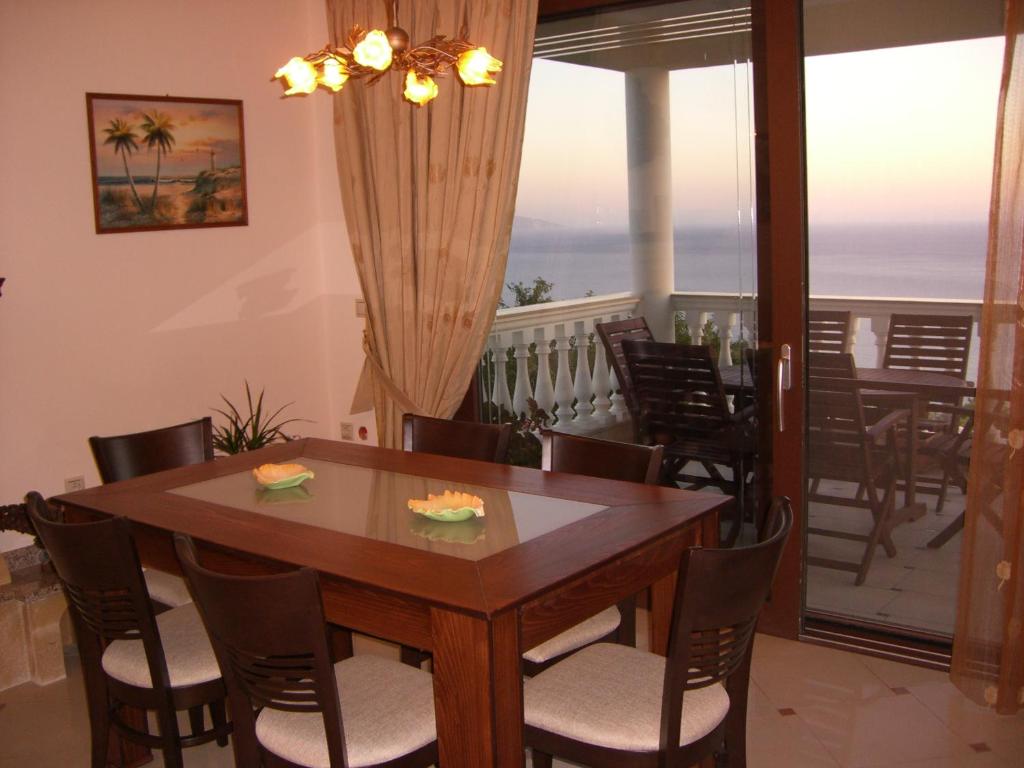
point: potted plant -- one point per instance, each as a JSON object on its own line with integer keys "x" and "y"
{"x": 250, "y": 431}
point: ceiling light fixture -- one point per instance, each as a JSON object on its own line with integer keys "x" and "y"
{"x": 373, "y": 53}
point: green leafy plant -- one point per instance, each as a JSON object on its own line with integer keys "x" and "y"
{"x": 252, "y": 431}
{"x": 524, "y": 448}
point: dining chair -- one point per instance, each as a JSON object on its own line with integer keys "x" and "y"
{"x": 611, "y": 706}
{"x": 681, "y": 405}
{"x": 122, "y": 457}
{"x": 577, "y": 455}
{"x": 828, "y": 331}
{"x": 460, "y": 439}
{"x": 612, "y": 334}
{"x": 292, "y": 706}
{"x": 844, "y": 452}
{"x": 130, "y": 657}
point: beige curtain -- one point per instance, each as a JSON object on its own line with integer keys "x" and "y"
{"x": 429, "y": 194}
{"x": 988, "y": 648}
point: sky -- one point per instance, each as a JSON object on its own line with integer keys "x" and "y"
{"x": 894, "y": 135}
{"x": 197, "y": 128}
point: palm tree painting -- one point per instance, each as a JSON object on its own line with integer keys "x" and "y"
{"x": 158, "y": 129}
{"x": 174, "y": 183}
{"x": 122, "y": 136}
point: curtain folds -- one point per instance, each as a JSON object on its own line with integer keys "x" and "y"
{"x": 429, "y": 194}
{"x": 988, "y": 647}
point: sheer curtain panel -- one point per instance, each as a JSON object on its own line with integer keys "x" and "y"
{"x": 429, "y": 194}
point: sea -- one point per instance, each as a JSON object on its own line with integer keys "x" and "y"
{"x": 935, "y": 261}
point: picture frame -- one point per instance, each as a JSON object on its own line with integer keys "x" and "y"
{"x": 166, "y": 162}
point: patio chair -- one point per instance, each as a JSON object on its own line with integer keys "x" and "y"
{"x": 828, "y": 331}
{"x": 122, "y": 457}
{"x": 291, "y": 705}
{"x": 841, "y": 448}
{"x": 612, "y": 334}
{"x": 682, "y": 406}
{"x": 130, "y": 657}
{"x": 609, "y": 705}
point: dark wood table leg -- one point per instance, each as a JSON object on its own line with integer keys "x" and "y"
{"x": 478, "y": 690}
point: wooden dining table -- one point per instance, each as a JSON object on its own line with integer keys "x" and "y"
{"x": 551, "y": 550}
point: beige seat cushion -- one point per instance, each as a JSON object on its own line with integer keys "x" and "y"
{"x": 190, "y": 658}
{"x": 387, "y": 710}
{"x": 610, "y": 695}
{"x": 166, "y": 588}
{"x": 575, "y": 637}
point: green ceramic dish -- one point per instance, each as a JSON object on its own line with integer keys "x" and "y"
{"x": 449, "y": 515}
{"x": 289, "y": 482}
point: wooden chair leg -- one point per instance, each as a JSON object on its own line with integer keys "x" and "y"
{"x": 196, "y": 720}
{"x": 626, "y": 634}
{"x": 412, "y": 656}
{"x": 170, "y": 736}
{"x": 879, "y": 533}
{"x": 218, "y": 716}
{"x": 541, "y": 759}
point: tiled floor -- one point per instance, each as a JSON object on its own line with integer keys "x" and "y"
{"x": 915, "y": 589}
{"x": 810, "y": 707}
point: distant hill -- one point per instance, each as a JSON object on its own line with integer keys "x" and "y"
{"x": 526, "y": 224}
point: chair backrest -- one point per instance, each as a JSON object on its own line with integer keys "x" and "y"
{"x": 837, "y": 443}
{"x": 678, "y": 390}
{"x": 121, "y": 457}
{"x": 600, "y": 458}
{"x": 99, "y": 568}
{"x": 939, "y": 343}
{"x": 612, "y": 334}
{"x": 719, "y": 596}
{"x": 270, "y": 639}
{"x": 461, "y": 439}
{"x": 828, "y": 331}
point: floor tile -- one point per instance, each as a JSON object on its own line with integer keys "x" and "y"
{"x": 881, "y": 732}
{"x": 895, "y": 674}
{"x": 794, "y": 674}
{"x": 973, "y": 723}
{"x": 776, "y": 742}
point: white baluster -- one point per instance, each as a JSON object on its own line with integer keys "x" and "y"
{"x": 584, "y": 384}
{"x": 851, "y": 339}
{"x": 545, "y": 392}
{"x": 563, "y": 378}
{"x": 880, "y": 327}
{"x": 725, "y": 334}
{"x": 523, "y": 390}
{"x": 499, "y": 393}
{"x": 602, "y": 384}
{"x": 703, "y": 321}
{"x": 618, "y": 409}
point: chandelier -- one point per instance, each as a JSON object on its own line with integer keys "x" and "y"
{"x": 371, "y": 54}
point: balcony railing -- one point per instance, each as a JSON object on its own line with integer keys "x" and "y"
{"x": 540, "y": 348}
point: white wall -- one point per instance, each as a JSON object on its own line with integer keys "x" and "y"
{"x": 102, "y": 334}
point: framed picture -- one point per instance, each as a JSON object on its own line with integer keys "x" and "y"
{"x": 163, "y": 162}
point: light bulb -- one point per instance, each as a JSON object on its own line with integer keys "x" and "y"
{"x": 373, "y": 51}
{"x": 419, "y": 90}
{"x": 299, "y": 74}
{"x": 476, "y": 65}
{"x": 335, "y": 74}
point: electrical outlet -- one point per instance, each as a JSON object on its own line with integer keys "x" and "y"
{"x": 72, "y": 484}
{"x": 347, "y": 431}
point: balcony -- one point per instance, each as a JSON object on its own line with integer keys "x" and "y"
{"x": 580, "y": 391}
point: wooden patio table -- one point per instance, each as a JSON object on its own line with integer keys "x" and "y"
{"x": 551, "y": 550}
{"x": 902, "y": 389}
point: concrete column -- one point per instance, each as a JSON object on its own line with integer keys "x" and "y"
{"x": 649, "y": 161}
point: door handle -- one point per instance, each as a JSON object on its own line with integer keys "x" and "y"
{"x": 783, "y": 381}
